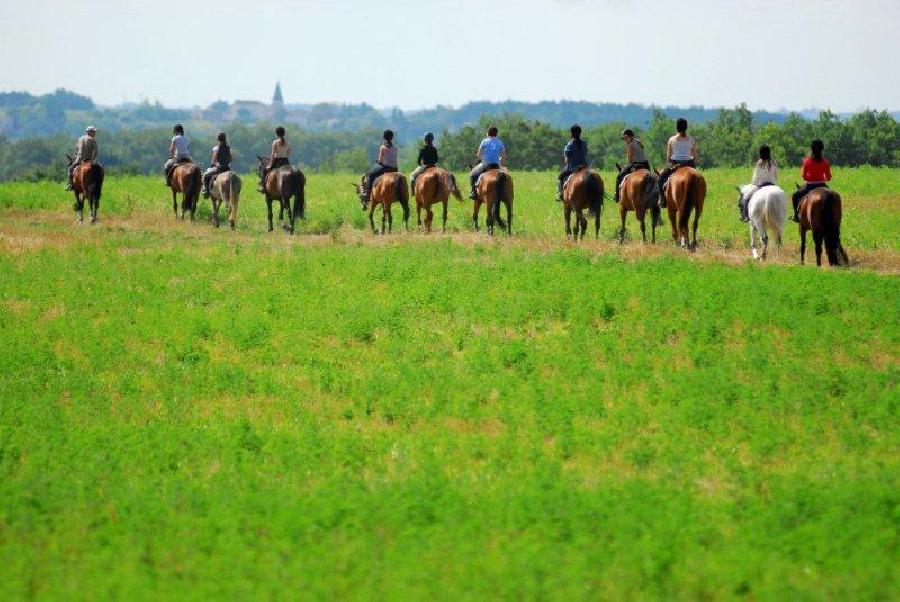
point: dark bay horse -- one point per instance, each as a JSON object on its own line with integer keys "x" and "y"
{"x": 186, "y": 179}
{"x": 495, "y": 186}
{"x": 820, "y": 211}
{"x": 685, "y": 193}
{"x": 283, "y": 184}
{"x": 433, "y": 186}
{"x": 639, "y": 194}
{"x": 226, "y": 188}
{"x": 582, "y": 190}
{"x": 87, "y": 183}
{"x": 386, "y": 189}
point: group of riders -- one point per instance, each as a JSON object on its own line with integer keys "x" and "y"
{"x": 681, "y": 150}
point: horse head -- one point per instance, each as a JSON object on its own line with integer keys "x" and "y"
{"x": 618, "y": 167}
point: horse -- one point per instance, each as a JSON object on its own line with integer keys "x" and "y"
{"x": 495, "y": 186}
{"x": 387, "y": 188}
{"x": 282, "y": 184}
{"x": 685, "y": 193}
{"x": 187, "y": 180}
{"x": 433, "y": 186}
{"x": 820, "y": 211}
{"x": 767, "y": 208}
{"x": 582, "y": 190}
{"x": 87, "y": 183}
{"x": 638, "y": 194}
{"x": 226, "y": 187}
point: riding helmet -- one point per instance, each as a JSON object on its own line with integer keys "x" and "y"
{"x": 429, "y": 137}
{"x": 628, "y": 132}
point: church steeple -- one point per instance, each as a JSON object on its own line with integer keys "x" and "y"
{"x": 277, "y": 98}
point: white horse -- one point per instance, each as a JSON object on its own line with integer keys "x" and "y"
{"x": 767, "y": 208}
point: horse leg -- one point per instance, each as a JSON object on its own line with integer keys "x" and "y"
{"x": 174, "y": 203}
{"x": 444, "y": 226}
{"x": 475, "y": 207}
{"x": 429, "y": 217}
{"x": 694, "y": 228}
{"x": 802, "y": 245}
{"x": 269, "y": 212}
{"x": 385, "y": 207}
{"x": 817, "y": 240}
{"x": 79, "y": 208}
{"x": 765, "y": 244}
{"x": 372, "y": 217}
{"x": 753, "y": 251}
{"x": 580, "y": 224}
{"x": 216, "y": 204}
{"x": 622, "y": 215}
{"x": 567, "y": 212}
{"x": 597, "y": 226}
{"x": 290, "y": 212}
{"x": 419, "y": 214}
{"x": 509, "y": 218}
{"x": 489, "y": 218}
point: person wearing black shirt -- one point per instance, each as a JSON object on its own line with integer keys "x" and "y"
{"x": 428, "y": 157}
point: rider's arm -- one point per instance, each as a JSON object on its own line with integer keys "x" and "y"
{"x": 172, "y": 148}
{"x": 272, "y": 155}
{"x": 214, "y": 159}
{"x": 629, "y": 154}
{"x": 504, "y": 157}
{"x": 827, "y": 170}
{"x": 669, "y": 151}
{"x": 695, "y": 155}
{"x": 382, "y": 149}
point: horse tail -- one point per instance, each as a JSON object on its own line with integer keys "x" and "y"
{"x": 403, "y": 196}
{"x": 234, "y": 188}
{"x": 594, "y": 192}
{"x": 688, "y": 201}
{"x": 298, "y": 179}
{"x": 831, "y": 224}
{"x": 499, "y": 197}
{"x": 192, "y": 189}
{"x": 454, "y": 189}
{"x": 97, "y": 174}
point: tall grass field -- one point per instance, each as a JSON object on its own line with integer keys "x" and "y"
{"x": 193, "y": 413}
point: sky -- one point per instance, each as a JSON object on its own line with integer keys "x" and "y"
{"x": 770, "y": 54}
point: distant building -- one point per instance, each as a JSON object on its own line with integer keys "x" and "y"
{"x": 277, "y": 98}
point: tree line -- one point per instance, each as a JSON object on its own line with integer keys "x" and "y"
{"x": 730, "y": 139}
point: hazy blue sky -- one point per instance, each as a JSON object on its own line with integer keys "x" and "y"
{"x": 415, "y": 53}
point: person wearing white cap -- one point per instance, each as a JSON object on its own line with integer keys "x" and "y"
{"x": 86, "y": 149}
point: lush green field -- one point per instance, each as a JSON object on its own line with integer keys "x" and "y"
{"x": 195, "y": 413}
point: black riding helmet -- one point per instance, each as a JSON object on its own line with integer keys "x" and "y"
{"x": 628, "y": 132}
{"x": 178, "y": 129}
{"x": 429, "y": 137}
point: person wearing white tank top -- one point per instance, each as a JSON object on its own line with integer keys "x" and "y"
{"x": 681, "y": 151}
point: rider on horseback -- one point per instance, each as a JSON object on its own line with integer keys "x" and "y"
{"x": 428, "y": 157}
{"x": 219, "y": 163}
{"x": 816, "y": 172}
{"x": 86, "y": 149}
{"x": 279, "y": 157}
{"x": 681, "y": 151}
{"x": 635, "y": 158}
{"x": 179, "y": 151}
{"x": 490, "y": 153}
{"x": 765, "y": 173}
{"x": 575, "y": 156}
{"x": 387, "y": 162}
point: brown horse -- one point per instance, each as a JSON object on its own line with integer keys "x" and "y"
{"x": 87, "y": 183}
{"x": 685, "y": 193}
{"x": 820, "y": 211}
{"x": 186, "y": 179}
{"x": 582, "y": 190}
{"x": 386, "y": 189}
{"x": 638, "y": 194}
{"x": 433, "y": 186}
{"x": 283, "y": 184}
{"x": 226, "y": 188}
{"x": 495, "y": 186}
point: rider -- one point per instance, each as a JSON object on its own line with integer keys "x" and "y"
{"x": 765, "y": 173}
{"x": 428, "y": 157}
{"x": 490, "y": 153}
{"x": 387, "y": 162}
{"x": 816, "y": 172}
{"x": 279, "y": 157}
{"x": 86, "y": 149}
{"x": 635, "y": 158}
{"x": 219, "y": 163}
{"x": 681, "y": 150}
{"x": 575, "y": 155}
{"x": 179, "y": 151}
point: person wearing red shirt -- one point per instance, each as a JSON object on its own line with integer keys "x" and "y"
{"x": 816, "y": 172}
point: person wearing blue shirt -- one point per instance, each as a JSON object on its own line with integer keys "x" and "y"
{"x": 490, "y": 153}
{"x": 575, "y": 155}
